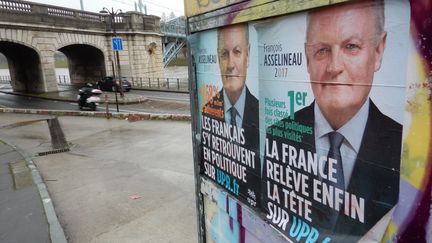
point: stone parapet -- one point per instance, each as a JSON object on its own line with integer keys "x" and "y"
{"x": 54, "y": 16}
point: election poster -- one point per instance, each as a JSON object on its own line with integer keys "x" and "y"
{"x": 332, "y": 92}
{"x": 313, "y": 120}
{"x": 226, "y": 72}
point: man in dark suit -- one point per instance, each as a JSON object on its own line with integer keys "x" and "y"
{"x": 234, "y": 104}
{"x": 360, "y": 146}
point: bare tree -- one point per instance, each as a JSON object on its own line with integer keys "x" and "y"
{"x": 172, "y": 15}
{"x": 163, "y": 17}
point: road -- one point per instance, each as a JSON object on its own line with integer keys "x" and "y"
{"x": 15, "y": 101}
{"x": 159, "y": 95}
{"x": 177, "y": 103}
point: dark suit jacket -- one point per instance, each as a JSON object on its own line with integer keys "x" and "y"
{"x": 375, "y": 174}
{"x": 251, "y": 133}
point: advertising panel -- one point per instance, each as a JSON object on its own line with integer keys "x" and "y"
{"x": 313, "y": 121}
{"x": 333, "y": 85}
{"x": 229, "y": 111}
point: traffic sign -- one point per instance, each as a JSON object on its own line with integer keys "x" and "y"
{"x": 117, "y": 44}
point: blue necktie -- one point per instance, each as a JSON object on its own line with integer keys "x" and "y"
{"x": 336, "y": 140}
{"x": 331, "y": 215}
{"x": 233, "y": 115}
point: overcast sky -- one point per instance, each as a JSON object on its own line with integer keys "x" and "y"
{"x": 154, "y": 7}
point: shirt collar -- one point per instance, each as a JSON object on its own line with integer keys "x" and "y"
{"x": 352, "y": 131}
{"x": 239, "y": 105}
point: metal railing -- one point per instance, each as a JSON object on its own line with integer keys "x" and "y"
{"x": 5, "y": 79}
{"x": 172, "y": 50}
{"x": 163, "y": 84}
{"x": 174, "y": 28}
{"x": 63, "y": 79}
{"x": 168, "y": 84}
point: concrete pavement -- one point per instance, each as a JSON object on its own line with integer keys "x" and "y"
{"x": 114, "y": 185}
{"x": 121, "y": 181}
{"x": 21, "y": 208}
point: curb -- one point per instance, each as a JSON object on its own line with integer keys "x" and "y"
{"x": 56, "y": 231}
{"x": 115, "y": 115}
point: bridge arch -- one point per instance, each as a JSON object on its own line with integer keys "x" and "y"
{"x": 86, "y": 62}
{"x": 24, "y": 66}
{"x": 46, "y": 29}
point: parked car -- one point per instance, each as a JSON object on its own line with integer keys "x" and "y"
{"x": 108, "y": 84}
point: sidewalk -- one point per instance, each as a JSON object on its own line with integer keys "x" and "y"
{"x": 25, "y": 217}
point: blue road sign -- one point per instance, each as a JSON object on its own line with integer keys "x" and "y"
{"x": 117, "y": 44}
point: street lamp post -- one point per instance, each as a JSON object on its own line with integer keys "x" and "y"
{"x": 118, "y": 77}
{"x": 115, "y": 91}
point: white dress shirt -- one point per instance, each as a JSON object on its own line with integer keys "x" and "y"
{"x": 239, "y": 106}
{"x": 352, "y": 131}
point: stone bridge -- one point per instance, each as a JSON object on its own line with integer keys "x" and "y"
{"x": 31, "y": 33}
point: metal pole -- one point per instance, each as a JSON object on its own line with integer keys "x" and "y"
{"x": 106, "y": 106}
{"x": 82, "y": 5}
{"x": 112, "y": 14}
{"x": 116, "y": 99}
{"x": 115, "y": 90}
{"x": 119, "y": 74}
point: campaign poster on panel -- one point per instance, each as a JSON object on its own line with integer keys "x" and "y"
{"x": 332, "y": 94}
{"x": 227, "y": 80}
